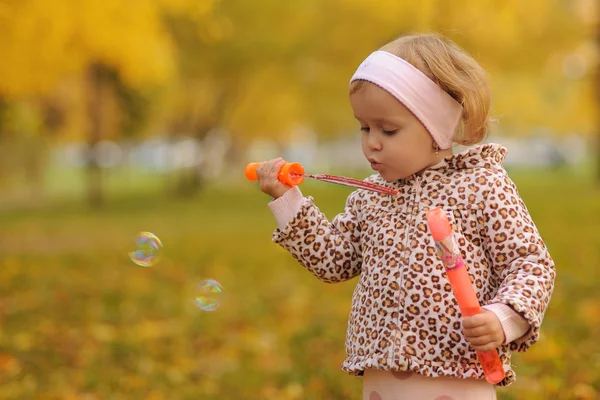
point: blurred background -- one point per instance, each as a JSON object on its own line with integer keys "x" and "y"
{"x": 124, "y": 116}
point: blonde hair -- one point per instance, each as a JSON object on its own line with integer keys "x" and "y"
{"x": 455, "y": 72}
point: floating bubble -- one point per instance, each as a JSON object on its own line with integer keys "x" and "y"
{"x": 208, "y": 295}
{"x": 148, "y": 248}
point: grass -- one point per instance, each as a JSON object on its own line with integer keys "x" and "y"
{"x": 79, "y": 320}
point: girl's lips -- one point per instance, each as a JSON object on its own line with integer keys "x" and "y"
{"x": 376, "y": 166}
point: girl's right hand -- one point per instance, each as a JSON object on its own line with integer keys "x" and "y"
{"x": 268, "y": 180}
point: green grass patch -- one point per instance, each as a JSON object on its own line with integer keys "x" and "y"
{"x": 78, "y": 317}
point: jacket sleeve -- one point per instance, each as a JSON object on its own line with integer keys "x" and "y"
{"x": 518, "y": 255}
{"x": 513, "y": 324}
{"x": 329, "y": 250}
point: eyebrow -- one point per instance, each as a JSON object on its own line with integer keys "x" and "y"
{"x": 378, "y": 120}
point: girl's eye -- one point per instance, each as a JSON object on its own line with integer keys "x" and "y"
{"x": 388, "y": 133}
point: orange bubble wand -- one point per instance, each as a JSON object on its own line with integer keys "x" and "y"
{"x": 292, "y": 173}
{"x": 461, "y": 285}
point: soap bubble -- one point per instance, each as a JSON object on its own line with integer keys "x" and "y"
{"x": 148, "y": 248}
{"x": 208, "y": 295}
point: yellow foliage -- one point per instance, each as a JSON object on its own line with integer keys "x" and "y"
{"x": 43, "y": 42}
{"x": 262, "y": 69}
{"x": 128, "y": 36}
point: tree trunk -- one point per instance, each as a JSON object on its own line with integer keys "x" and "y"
{"x": 188, "y": 183}
{"x": 598, "y": 107}
{"x": 35, "y": 161}
{"x": 95, "y": 104}
{"x": 189, "y": 180}
{"x": 4, "y": 166}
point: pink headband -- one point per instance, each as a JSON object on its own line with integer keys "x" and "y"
{"x": 436, "y": 109}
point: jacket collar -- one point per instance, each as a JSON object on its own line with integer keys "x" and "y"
{"x": 487, "y": 156}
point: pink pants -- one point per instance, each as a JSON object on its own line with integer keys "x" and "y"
{"x": 384, "y": 385}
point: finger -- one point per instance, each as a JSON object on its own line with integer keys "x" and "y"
{"x": 480, "y": 341}
{"x": 265, "y": 168}
{"x": 474, "y": 321}
{"x": 262, "y": 167}
{"x": 476, "y": 332}
{"x": 276, "y": 167}
{"x": 278, "y": 163}
{"x": 484, "y": 348}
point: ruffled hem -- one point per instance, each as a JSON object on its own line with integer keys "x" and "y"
{"x": 355, "y": 365}
{"x": 529, "y": 339}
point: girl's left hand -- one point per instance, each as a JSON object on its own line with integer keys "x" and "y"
{"x": 483, "y": 331}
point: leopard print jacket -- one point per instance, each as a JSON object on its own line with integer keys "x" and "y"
{"x": 404, "y": 316}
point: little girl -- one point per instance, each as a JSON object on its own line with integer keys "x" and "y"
{"x": 414, "y": 98}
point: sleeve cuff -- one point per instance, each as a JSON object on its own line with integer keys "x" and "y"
{"x": 513, "y": 325}
{"x": 286, "y": 207}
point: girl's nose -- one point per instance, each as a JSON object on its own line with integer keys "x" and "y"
{"x": 374, "y": 142}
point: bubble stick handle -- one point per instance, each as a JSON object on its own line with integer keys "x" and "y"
{"x": 461, "y": 284}
{"x": 291, "y": 173}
